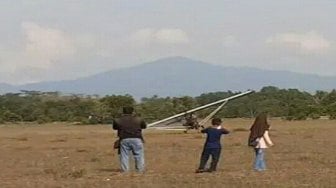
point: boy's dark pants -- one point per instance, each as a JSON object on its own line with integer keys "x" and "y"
{"x": 215, "y": 153}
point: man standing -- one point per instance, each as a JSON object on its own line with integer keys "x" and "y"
{"x": 129, "y": 129}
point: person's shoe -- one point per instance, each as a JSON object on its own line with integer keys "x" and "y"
{"x": 259, "y": 170}
{"x": 200, "y": 171}
{"x": 211, "y": 170}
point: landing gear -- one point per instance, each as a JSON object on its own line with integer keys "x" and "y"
{"x": 194, "y": 125}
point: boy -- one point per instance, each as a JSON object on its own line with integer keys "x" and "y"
{"x": 212, "y": 145}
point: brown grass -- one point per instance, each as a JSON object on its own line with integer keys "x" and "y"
{"x": 82, "y": 156}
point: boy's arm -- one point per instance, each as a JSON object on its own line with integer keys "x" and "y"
{"x": 204, "y": 130}
{"x": 115, "y": 125}
{"x": 225, "y": 131}
{"x": 143, "y": 124}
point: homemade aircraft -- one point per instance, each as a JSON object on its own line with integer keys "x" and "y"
{"x": 191, "y": 122}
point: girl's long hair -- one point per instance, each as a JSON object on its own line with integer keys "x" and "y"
{"x": 259, "y": 127}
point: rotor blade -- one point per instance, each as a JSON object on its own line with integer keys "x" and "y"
{"x": 205, "y": 120}
{"x": 200, "y": 108}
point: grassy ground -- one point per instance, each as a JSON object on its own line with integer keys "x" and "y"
{"x": 82, "y": 156}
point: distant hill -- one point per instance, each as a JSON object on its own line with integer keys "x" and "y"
{"x": 5, "y": 88}
{"x": 178, "y": 76}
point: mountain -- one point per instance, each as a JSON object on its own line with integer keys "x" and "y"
{"x": 6, "y": 88}
{"x": 176, "y": 76}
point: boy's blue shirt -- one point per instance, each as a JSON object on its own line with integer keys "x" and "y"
{"x": 213, "y": 137}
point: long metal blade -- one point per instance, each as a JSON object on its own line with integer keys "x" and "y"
{"x": 205, "y": 120}
{"x": 199, "y": 108}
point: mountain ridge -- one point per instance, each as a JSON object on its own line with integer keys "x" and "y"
{"x": 177, "y": 76}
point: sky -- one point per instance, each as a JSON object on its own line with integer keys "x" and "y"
{"x": 43, "y": 40}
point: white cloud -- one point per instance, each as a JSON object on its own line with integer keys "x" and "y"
{"x": 143, "y": 35}
{"x": 162, "y": 36}
{"x": 45, "y": 45}
{"x": 229, "y": 41}
{"x": 310, "y": 42}
{"x": 45, "y": 53}
{"x": 171, "y": 36}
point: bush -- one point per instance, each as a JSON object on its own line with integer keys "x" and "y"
{"x": 11, "y": 117}
{"x": 314, "y": 116}
{"x": 332, "y": 116}
{"x": 300, "y": 116}
{"x": 43, "y": 119}
{"x": 289, "y": 118}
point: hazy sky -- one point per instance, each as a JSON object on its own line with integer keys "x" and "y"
{"x": 66, "y": 39}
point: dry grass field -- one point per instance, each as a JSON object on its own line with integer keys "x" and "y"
{"x": 82, "y": 156}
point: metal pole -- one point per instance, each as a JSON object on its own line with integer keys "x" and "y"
{"x": 200, "y": 108}
{"x": 205, "y": 120}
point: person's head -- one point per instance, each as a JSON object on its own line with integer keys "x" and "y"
{"x": 128, "y": 110}
{"x": 261, "y": 121}
{"x": 216, "y": 121}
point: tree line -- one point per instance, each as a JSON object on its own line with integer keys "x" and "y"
{"x": 44, "y": 107}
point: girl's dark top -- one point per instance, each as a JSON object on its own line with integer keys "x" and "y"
{"x": 213, "y": 137}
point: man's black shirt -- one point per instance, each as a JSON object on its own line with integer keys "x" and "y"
{"x": 129, "y": 126}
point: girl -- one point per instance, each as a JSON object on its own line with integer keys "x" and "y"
{"x": 259, "y": 139}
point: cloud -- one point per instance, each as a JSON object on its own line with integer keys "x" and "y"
{"x": 144, "y": 35}
{"x": 229, "y": 41}
{"x": 162, "y": 36}
{"x": 310, "y": 42}
{"x": 46, "y": 53}
{"x": 44, "y": 45}
{"x": 171, "y": 36}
